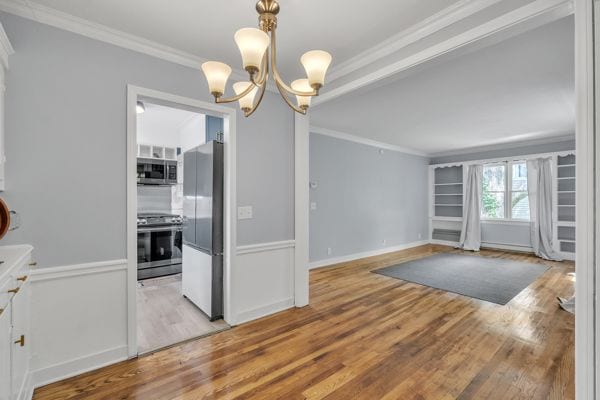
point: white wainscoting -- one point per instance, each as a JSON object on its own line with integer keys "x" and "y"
{"x": 365, "y": 254}
{"x": 78, "y": 319}
{"x": 264, "y": 280}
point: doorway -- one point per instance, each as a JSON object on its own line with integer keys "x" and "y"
{"x": 164, "y": 131}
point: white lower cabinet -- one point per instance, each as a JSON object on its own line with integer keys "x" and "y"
{"x": 5, "y": 356}
{"x": 14, "y": 322}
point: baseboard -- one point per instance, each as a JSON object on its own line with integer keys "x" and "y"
{"x": 444, "y": 243}
{"x": 77, "y": 366}
{"x": 264, "y": 311}
{"x": 365, "y": 254}
{"x": 27, "y": 392}
{"x": 506, "y": 246}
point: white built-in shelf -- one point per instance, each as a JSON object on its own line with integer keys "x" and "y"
{"x": 455, "y": 219}
{"x": 566, "y": 191}
{"x": 566, "y": 165}
{"x": 565, "y": 223}
{"x": 447, "y": 184}
{"x": 448, "y": 194}
{"x": 566, "y": 177}
{"x": 448, "y": 205}
{"x": 566, "y": 205}
{"x": 566, "y": 240}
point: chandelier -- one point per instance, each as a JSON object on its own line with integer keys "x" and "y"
{"x": 258, "y": 48}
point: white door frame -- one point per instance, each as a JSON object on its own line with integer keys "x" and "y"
{"x": 586, "y": 178}
{"x": 229, "y": 115}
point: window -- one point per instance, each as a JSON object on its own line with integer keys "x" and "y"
{"x": 505, "y": 191}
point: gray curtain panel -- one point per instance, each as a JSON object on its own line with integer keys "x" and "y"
{"x": 470, "y": 235}
{"x": 539, "y": 187}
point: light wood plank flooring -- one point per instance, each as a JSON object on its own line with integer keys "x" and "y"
{"x": 165, "y": 317}
{"x": 367, "y": 336}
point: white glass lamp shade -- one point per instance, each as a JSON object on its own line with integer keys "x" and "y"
{"x": 216, "y": 74}
{"x": 302, "y": 85}
{"x": 252, "y": 43}
{"x": 246, "y": 102}
{"x": 315, "y": 64}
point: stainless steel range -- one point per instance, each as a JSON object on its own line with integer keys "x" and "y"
{"x": 159, "y": 244}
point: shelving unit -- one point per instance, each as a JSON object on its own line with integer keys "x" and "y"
{"x": 565, "y": 206}
{"x": 446, "y": 203}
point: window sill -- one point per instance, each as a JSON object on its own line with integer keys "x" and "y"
{"x": 506, "y": 222}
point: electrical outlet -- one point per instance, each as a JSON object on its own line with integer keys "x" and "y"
{"x": 313, "y": 205}
{"x": 245, "y": 212}
{"x": 420, "y": 236}
{"x": 329, "y": 251}
{"x": 383, "y": 242}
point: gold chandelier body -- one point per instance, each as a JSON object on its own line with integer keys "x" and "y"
{"x": 259, "y": 53}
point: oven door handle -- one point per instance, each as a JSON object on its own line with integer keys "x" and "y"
{"x": 159, "y": 229}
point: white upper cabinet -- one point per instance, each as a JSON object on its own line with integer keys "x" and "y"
{"x": 5, "y": 51}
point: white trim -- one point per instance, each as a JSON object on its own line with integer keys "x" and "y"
{"x": 45, "y": 274}
{"x": 506, "y": 246}
{"x": 357, "y": 256}
{"x": 448, "y": 16}
{"x": 586, "y": 174}
{"x": 369, "y": 142}
{"x": 520, "y": 222}
{"x": 77, "y": 366}
{"x": 504, "y": 159}
{"x": 28, "y": 388}
{"x": 230, "y": 223}
{"x": 6, "y": 48}
{"x": 504, "y": 146}
{"x": 264, "y": 311}
{"x": 553, "y": 9}
{"x": 58, "y": 19}
{"x": 301, "y": 207}
{"x": 444, "y": 243}
{"x": 261, "y": 247}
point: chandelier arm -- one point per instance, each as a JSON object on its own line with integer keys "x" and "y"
{"x": 289, "y": 103}
{"x": 276, "y": 75}
{"x": 220, "y": 100}
{"x": 260, "y": 97}
{"x": 264, "y": 71}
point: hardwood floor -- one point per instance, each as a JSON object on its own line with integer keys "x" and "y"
{"x": 367, "y": 336}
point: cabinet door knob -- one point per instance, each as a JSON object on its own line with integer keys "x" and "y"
{"x": 15, "y": 290}
{"x": 21, "y": 341}
{"x": 32, "y": 264}
{"x": 22, "y": 278}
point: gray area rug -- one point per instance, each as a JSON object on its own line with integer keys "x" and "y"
{"x": 491, "y": 279}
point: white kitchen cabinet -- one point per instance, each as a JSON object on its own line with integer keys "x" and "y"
{"x": 5, "y": 51}
{"x": 14, "y": 322}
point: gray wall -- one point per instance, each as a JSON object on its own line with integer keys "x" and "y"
{"x": 507, "y": 152}
{"x": 364, "y": 197}
{"x": 66, "y": 150}
{"x": 498, "y": 233}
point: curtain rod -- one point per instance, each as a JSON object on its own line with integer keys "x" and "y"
{"x": 501, "y": 159}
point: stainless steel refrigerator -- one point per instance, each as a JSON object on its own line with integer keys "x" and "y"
{"x": 202, "y": 266}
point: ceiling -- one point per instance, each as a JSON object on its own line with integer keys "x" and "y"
{"x": 205, "y": 28}
{"x": 161, "y": 125}
{"x": 518, "y": 89}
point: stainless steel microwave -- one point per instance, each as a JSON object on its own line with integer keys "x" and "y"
{"x": 151, "y": 171}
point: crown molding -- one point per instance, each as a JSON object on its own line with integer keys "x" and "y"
{"x": 448, "y": 16}
{"x": 369, "y": 142}
{"x": 565, "y": 137}
{"x": 6, "y": 48}
{"x": 58, "y": 19}
{"x": 545, "y": 10}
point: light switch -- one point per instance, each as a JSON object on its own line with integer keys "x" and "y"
{"x": 245, "y": 212}
{"x": 313, "y": 205}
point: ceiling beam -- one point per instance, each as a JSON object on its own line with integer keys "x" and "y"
{"x": 538, "y": 11}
